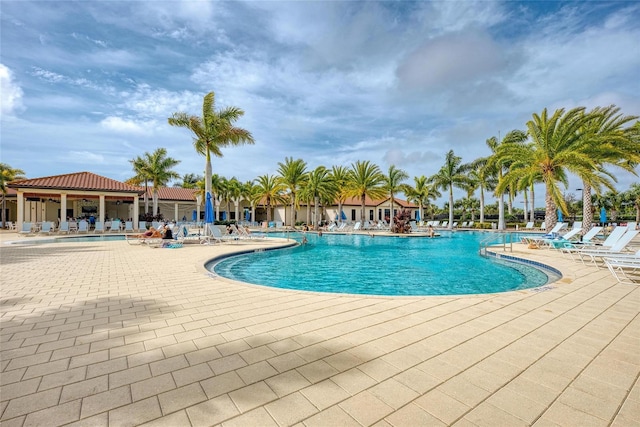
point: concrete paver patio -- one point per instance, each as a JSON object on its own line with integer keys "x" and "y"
{"x": 111, "y": 334}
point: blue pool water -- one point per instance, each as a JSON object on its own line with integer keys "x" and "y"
{"x": 360, "y": 264}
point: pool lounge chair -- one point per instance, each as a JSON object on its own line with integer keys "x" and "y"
{"x": 64, "y": 227}
{"x": 625, "y": 270}
{"x": 142, "y": 226}
{"x": 26, "y": 229}
{"x": 617, "y": 249}
{"x": 115, "y": 226}
{"x": 99, "y": 227}
{"x": 128, "y": 227}
{"x": 46, "y": 228}
{"x": 529, "y": 226}
{"x": 83, "y": 226}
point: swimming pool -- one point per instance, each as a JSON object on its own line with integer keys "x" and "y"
{"x": 360, "y": 264}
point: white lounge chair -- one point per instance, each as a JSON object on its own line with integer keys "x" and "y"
{"x": 529, "y": 226}
{"x": 64, "y": 227}
{"x": 26, "y": 229}
{"x": 470, "y": 224}
{"x": 83, "y": 226}
{"x": 128, "y": 227}
{"x": 98, "y": 227}
{"x": 46, "y": 228}
{"x": 142, "y": 226}
{"x": 625, "y": 270}
{"x": 617, "y": 249}
{"x": 115, "y": 226}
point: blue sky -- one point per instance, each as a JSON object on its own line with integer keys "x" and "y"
{"x": 89, "y": 85}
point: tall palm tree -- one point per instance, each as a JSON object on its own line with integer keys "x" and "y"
{"x": 451, "y": 174}
{"x": 365, "y": 179}
{"x": 421, "y": 193}
{"x": 217, "y": 188}
{"x": 213, "y": 131}
{"x": 234, "y": 192}
{"x": 393, "y": 183}
{"x": 157, "y": 169}
{"x": 555, "y": 150}
{"x": 485, "y": 174}
{"x": 293, "y": 174}
{"x": 633, "y": 195}
{"x": 340, "y": 176}
{"x": 500, "y": 164}
{"x": 8, "y": 174}
{"x": 141, "y": 177}
{"x": 319, "y": 186}
{"x": 249, "y": 191}
{"x": 190, "y": 180}
{"x": 605, "y": 141}
{"x": 269, "y": 189}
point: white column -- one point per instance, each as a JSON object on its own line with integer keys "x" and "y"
{"x": 20, "y": 218}
{"x": 101, "y": 216}
{"x": 63, "y": 207}
{"x": 136, "y": 211}
{"x": 236, "y": 202}
{"x": 175, "y": 212}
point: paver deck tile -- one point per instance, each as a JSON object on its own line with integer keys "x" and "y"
{"x": 166, "y": 342}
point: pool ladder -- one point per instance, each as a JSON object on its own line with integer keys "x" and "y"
{"x": 504, "y": 239}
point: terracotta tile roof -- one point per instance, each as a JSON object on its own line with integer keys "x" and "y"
{"x": 76, "y": 181}
{"x": 174, "y": 193}
{"x": 354, "y": 201}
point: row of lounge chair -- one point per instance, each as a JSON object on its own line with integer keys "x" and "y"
{"x": 83, "y": 226}
{"x": 614, "y": 252}
{"x": 209, "y": 234}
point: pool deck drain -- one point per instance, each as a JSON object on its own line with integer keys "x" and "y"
{"x": 110, "y": 334}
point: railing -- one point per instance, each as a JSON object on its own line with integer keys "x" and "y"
{"x": 504, "y": 239}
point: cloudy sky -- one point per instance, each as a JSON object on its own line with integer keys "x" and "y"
{"x": 89, "y": 85}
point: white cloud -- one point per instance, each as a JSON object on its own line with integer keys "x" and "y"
{"x": 10, "y": 93}
{"x": 118, "y": 124}
{"x": 84, "y": 157}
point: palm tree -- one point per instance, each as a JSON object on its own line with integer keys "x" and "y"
{"x": 393, "y": 183}
{"x": 421, "y": 193}
{"x": 319, "y": 186}
{"x": 293, "y": 176}
{"x": 249, "y": 191}
{"x": 156, "y": 168}
{"x": 365, "y": 179}
{"x": 217, "y": 189}
{"x": 270, "y": 189}
{"x": 451, "y": 174}
{"x": 605, "y": 141}
{"x": 499, "y": 164}
{"x": 141, "y": 176}
{"x": 234, "y": 192}
{"x": 485, "y": 174}
{"x": 213, "y": 131}
{"x": 8, "y": 174}
{"x": 190, "y": 180}
{"x": 633, "y": 195}
{"x": 557, "y": 148}
{"x": 340, "y": 176}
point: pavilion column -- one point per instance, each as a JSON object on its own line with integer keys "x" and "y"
{"x": 101, "y": 209}
{"x": 20, "y": 218}
{"x": 63, "y": 207}
{"x": 136, "y": 211}
{"x": 175, "y": 212}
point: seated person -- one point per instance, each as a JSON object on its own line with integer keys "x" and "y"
{"x": 151, "y": 233}
{"x": 167, "y": 233}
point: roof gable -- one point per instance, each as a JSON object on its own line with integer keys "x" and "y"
{"x": 76, "y": 181}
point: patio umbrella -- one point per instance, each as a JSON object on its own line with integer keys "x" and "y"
{"x": 343, "y": 216}
{"x": 224, "y": 215}
{"x": 603, "y": 216}
{"x": 194, "y": 215}
{"x": 208, "y": 210}
{"x": 417, "y": 215}
{"x": 559, "y": 215}
{"x": 247, "y": 216}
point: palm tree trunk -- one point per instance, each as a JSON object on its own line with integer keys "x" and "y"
{"x": 533, "y": 204}
{"x": 362, "y": 199}
{"x": 481, "y": 205}
{"x": 391, "y": 213}
{"x": 587, "y": 208}
{"x": 450, "y": 225}
{"x": 293, "y": 210}
{"x": 550, "y": 214}
{"x": 501, "y": 224}
{"x": 268, "y": 211}
{"x": 155, "y": 201}
{"x": 526, "y": 207}
{"x": 207, "y": 174}
{"x": 315, "y": 212}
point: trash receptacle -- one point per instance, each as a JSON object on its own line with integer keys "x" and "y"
{"x": 494, "y": 226}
